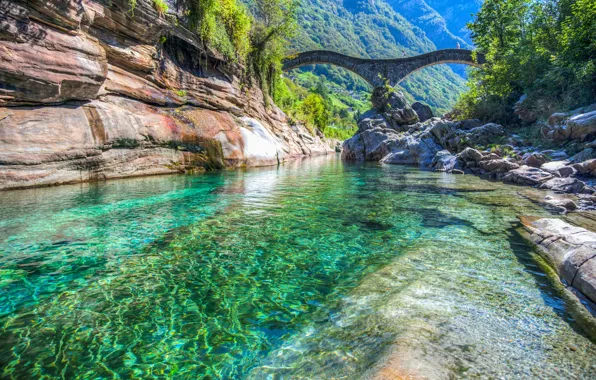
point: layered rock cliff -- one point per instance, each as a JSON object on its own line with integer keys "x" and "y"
{"x": 91, "y": 90}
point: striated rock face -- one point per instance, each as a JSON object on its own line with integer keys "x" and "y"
{"x": 90, "y": 90}
{"x": 571, "y": 251}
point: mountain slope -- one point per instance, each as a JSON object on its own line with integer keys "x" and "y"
{"x": 457, "y": 14}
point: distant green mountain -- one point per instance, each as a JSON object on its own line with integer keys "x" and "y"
{"x": 382, "y": 29}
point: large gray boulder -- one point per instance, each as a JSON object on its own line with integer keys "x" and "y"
{"x": 500, "y": 165}
{"x": 451, "y": 137}
{"x": 564, "y": 185}
{"x": 579, "y": 124}
{"x": 486, "y": 134}
{"x": 412, "y": 150}
{"x": 586, "y": 167}
{"x": 527, "y": 175}
{"x": 554, "y": 166}
{"x": 423, "y": 111}
{"x": 470, "y": 155}
{"x": 378, "y": 140}
{"x": 584, "y": 155}
{"x": 444, "y": 161}
{"x": 369, "y": 145}
{"x": 581, "y": 127}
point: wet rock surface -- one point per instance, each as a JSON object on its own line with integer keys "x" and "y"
{"x": 571, "y": 251}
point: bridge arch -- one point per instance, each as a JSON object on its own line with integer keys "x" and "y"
{"x": 394, "y": 70}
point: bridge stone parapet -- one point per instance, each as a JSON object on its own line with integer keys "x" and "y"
{"x": 375, "y": 71}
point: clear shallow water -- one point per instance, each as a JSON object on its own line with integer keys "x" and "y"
{"x": 314, "y": 270}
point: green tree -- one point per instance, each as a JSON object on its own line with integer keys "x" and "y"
{"x": 223, "y": 24}
{"x": 543, "y": 48}
{"x": 275, "y": 23}
{"x": 315, "y": 111}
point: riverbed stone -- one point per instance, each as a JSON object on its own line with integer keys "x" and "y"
{"x": 527, "y": 175}
{"x": 444, "y": 161}
{"x": 561, "y": 204}
{"x": 586, "y": 166}
{"x": 536, "y": 160}
{"x": 423, "y": 111}
{"x": 564, "y": 185}
{"x": 584, "y": 155}
{"x": 498, "y": 166}
{"x": 470, "y": 154}
{"x": 566, "y": 171}
{"x": 570, "y": 250}
{"x": 585, "y": 280}
{"x": 553, "y": 166}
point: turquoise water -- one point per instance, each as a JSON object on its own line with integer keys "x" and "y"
{"x": 317, "y": 269}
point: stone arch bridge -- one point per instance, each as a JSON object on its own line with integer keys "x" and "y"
{"x": 374, "y": 70}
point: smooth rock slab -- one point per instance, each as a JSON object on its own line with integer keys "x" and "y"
{"x": 569, "y": 249}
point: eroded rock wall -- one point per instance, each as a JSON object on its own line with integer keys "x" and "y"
{"x": 92, "y": 90}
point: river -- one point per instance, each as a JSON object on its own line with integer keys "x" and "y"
{"x": 317, "y": 269}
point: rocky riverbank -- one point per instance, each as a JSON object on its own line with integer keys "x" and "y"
{"x": 90, "y": 91}
{"x": 392, "y": 133}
